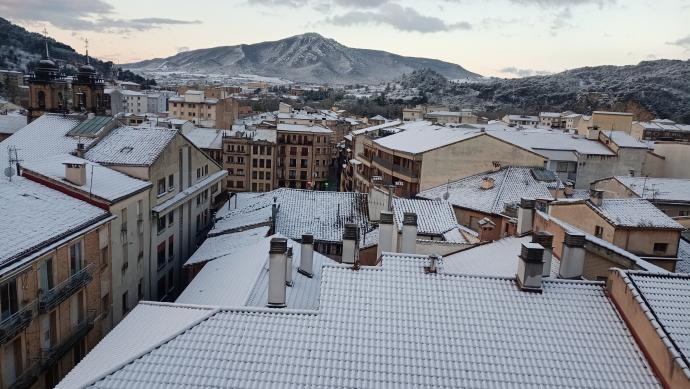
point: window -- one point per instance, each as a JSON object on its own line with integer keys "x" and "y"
{"x": 171, "y": 218}
{"x": 140, "y": 290}
{"x": 254, "y": 174}
{"x": 268, "y": 150}
{"x": 105, "y": 304}
{"x": 161, "y": 186}
{"x": 268, "y": 163}
{"x": 171, "y": 182}
{"x": 161, "y": 288}
{"x": 660, "y": 247}
{"x": 206, "y": 170}
{"x": 125, "y": 305}
{"x": 268, "y": 175}
{"x": 214, "y": 188}
{"x": 240, "y": 184}
{"x": 171, "y": 280}
{"x": 198, "y": 223}
{"x": 261, "y": 175}
{"x": 8, "y": 299}
{"x": 198, "y": 173}
{"x": 46, "y": 280}
{"x": 171, "y": 248}
{"x": 255, "y": 162}
{"x": 161, "y": 224}
{"x": 161, "y": 255}
{"x": 598, "y": 231}
{"x": 253, "y": 186}
{"x": 683, "y": 213}
{"x": 75, "y": 258}
{"x": 262, "y": 163}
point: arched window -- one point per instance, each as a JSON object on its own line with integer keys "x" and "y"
{"x": 41, "y": 99}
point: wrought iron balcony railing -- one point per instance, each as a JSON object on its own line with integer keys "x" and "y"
{"x": 49, "y": 299}
{"x": 17, "y": 322}
{"x": 50, "y": 355}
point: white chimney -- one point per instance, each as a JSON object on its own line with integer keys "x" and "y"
{"x": 596, "y": 196}
{"x": 530, "y": 266}
{"x": 277, "y": 259}
{"x": 434, "y": 260}
{"x": 288, "y": 267}
{"x": 409, "y": 233}
{"x": 569, "y": 189}
{"x": 350, "y": 243}
{"x": 545, "y": 239}
{"x": 386, "y": 231}
{"x": 306, "y": 256}
{"x": 573, "y": 256}
{"x": 525, "y": 216}
{"x": 75, "y": 172}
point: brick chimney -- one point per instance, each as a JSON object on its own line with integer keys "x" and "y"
{"x": 530, "y": 267}
{"x": 596, "y": 196}
{"x": 306, "y": 256}
{"x": 525, "y": 215}
{"x": 277, "y": 258}
{"x": 386, "y": 233}
{"x": 545, "y": 239}
{"x": 409, "y": 233}
{"x": 487, "y": 183}
{"x": 573, "y": 256}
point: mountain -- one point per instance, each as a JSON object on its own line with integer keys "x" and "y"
{"x": 659, "y": 88}
{"x": 307, "y": 58}
{"x": 21, "y": 50}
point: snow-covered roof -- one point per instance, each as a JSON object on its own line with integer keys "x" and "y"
{"x": 130, "y": 338}
{"x": 34, "y": 215}
{"x": 664, "y": 125}
{"x": 101, "y": 181}
{"x": 206, "y": 138}
{"x": 218, "y": 246}
{"x": 312, "y": 128}
{"x": 550, "y": 114}
{"x": 509, "y": 186}
{"x": 133, "y": 146}
{"x": 623, "y": 139}
{"x": 537, "y": 139}
{"x": 665, "y": 299}
{"x": 326, "y": 219}
{"x": 240, "y": 278}
{"x": 522, "y": 118}
{"x": 634, "y": 213}
{"x": 433, "y": 217}
{"x": 497, "y": 258}
{"x": 257, "y": 134}
{"x": 190, "y": 191}
{"x": 385, "y": 125}
{"x": 43, "y": 137}
{"x": 9, "y": 124}
{"x": 379, "y": 117}
{"x": 665, "y": 189}
{"x": 396, "y": 326}
{"x": 422, "y": 136}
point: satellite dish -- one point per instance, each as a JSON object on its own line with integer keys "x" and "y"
{"x": 9, "y": 172}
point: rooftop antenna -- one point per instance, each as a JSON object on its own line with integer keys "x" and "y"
{"x": 447, "y": 194}
{"x": 91, "y": 183}
{"x": 13, "y": 159}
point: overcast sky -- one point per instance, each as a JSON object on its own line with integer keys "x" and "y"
{"x": 506, "y": 38}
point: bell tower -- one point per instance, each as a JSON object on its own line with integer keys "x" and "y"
{"x": 48, "y": 90}
{"x": 88, "y": 88}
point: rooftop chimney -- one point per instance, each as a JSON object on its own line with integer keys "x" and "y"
{"x": 631, "y": 172}
{"x": 545, "y": 239}
{"x": 596, "y": 196}
{"x": 409, "y": 233}
{"x": 569, "y": 189}
{"x": 79, "y": 152}
{"x": 487, "y": 183}
{"x": 573, "y": 257}
{"x": 75, "y": 172}
{"x": 525, "y": 215}
{"x": 385, "y": 233}
{"x": 434, "y": 260}
{"x": 530, "y": 267}
{"x": 306, "y": 257}
{"x": 495, "y": 166}
{"x": 288, "y": 267}
{"x": 350, "y": 243}
{"x": 277, "y": 258}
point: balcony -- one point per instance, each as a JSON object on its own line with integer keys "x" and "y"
{"x": 395, "y": 170}
{"x": 50, "y": 355}
{"x": 17, "y": 322}
{"x": 50, "y": 299}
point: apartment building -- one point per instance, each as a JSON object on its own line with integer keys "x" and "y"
{"x": 249, "y": 157}
{"x": 11, "y": 86}
{"x": 340, "y": 126}
{"x": 55, "y": 273}
{"x": 186, "y": 183}
{"x": 209, "y": 140}
{"x": 661, "y": 130}
{"x": 606, "y": 121}
{"x": 521, "y": 120}
{"x": 304, "y": 156}
{"x": 125, "y": 197}
{"x": 204, "y": 111}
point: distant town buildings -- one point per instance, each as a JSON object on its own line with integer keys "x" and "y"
{"x": 204, "y": 111}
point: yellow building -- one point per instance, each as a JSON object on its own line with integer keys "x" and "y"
{"x": 203, "y": 111}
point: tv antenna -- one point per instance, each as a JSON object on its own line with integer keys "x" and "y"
{"x": 13, "y": 160}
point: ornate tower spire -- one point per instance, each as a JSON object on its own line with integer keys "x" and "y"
{"x": 86, "y": 44}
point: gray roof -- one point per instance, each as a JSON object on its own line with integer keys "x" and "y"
{"x": 395, "y": 326}
{"x": 634, "y": 213}
{"x": 683, "y": 264}
{"x": 433, "y": 217}
{"x": 666, "y": 301}
{"x": 510, "y": 185}
{"x": 134, "y": 146}
{"x": 91, "y": 126}
{"x": 665, "y": 189}
{"x": 9, "y": 124}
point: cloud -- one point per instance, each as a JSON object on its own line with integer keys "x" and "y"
{"x": 561, "y": 3}
{"x": 80, "y": 15}
{"x": 682, "y": 42}
{"x": 398, "y": 17}
{"x": 524, "y": 72}
{"x": 321, "y": 4}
